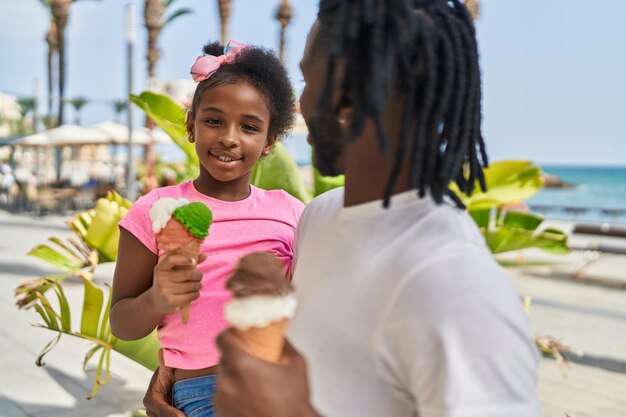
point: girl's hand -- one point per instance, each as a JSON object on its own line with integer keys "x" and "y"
{"x": 176, "y": 282}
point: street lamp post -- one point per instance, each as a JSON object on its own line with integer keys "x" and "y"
{"x": 130, "y": 41}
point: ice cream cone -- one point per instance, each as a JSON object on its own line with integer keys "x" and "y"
{"x": 261, "y": 306}
{"x": 179, "y": 231}
{"x": 264, "y": 342}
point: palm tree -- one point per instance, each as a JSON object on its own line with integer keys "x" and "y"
{"x": 118, "y": 107}
{"x": 49, "y": 121}
{"x": 60, "y": 11}
{"x": 53, "y": 49}
{"x": 283, "y": 15}
{"x": 153, "y": 12}
{"x": 78, "y": 103}
{"x": 224, "y": 8}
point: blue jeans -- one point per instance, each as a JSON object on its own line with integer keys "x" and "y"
{"x": 194, "y": 396}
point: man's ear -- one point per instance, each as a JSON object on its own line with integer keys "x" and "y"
{"x": 190, "y": 125}
{"x": 271, "y": 141}
{"x": 344, "y": 109}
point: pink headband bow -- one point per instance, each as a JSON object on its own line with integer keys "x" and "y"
{"x": 206, "y": 65}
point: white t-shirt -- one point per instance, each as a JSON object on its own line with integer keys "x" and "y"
{"x": 404, "y": 312}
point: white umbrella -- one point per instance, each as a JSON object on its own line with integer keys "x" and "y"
{"x": 118, "y": 134}
{"x": 63, "y": 135}
{"x": 99, "y": 134}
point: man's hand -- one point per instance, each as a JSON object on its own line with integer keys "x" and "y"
{"x": 159, "y": 395}
{"x": 251, "y": 387}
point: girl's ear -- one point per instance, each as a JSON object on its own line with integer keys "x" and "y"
{"x": 271, "y": 141}
{"x": 190, "y": 126}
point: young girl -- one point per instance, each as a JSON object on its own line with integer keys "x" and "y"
{"x": 242, "y": 105}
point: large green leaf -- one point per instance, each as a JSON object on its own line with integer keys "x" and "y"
{"x": 323, "y": 184}
{"x": 92, "y": 309}
{"x": 55, "y": 258}
{"x": 507, "y": 182}
{"x": 169, "y": 116}
{"x": 143, "y": 351}
{"x": 103, "y": 233}
{"x": 507, "y": 231}
{"x": 94, "y": 328}
{"x": 27, "y": 291}
{"x": 278, "y": 170}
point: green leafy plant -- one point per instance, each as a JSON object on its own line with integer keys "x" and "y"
{"x": 94, "y": 241}
{"x": 279, "y": 171}
{"x": 506, "y": 231}
{"x": 507, "y": 182}
{"x": 94, "y": 327}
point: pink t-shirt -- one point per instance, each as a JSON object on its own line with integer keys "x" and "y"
{"x": 264, "y": 222}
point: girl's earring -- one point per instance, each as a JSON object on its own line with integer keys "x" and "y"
{"x": 191, "y": 139}
{"x": 265, "y": 152}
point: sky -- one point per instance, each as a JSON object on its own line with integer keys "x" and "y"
{"x": 554, "y": 71}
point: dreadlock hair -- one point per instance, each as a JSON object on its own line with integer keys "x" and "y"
{"x": 425, "y": 49}
{"x": 259, "y": 67}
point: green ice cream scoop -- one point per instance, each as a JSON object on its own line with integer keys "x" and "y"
{"x": 195, "y": 217}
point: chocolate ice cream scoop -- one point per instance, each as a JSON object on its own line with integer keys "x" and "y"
{"x": 262, "y": 304}
{"x": 258, "y": 274}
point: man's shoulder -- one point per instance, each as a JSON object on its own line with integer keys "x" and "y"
{"x": 333, "y": 196}
{"x": 330, "y": 201}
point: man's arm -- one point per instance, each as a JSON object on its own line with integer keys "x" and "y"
{"x": 251, "y": 387}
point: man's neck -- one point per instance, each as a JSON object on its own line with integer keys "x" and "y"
{"x": 367, "y": 169}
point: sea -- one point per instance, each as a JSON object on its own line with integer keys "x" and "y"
{"x": 594, "y": 193}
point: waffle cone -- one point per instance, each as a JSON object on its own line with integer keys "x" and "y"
{"x": 175, "y": 240}
{"x": 191, "y": 249}
{"x": 264, "y": 342}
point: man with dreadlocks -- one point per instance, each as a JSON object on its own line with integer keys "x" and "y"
{"x": 402, "y": 309}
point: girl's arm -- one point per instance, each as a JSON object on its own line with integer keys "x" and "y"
{"x": 145, "y": 288}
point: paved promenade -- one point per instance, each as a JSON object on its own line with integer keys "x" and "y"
{"x": 61, "y": 386}
{"x": 588, "y": 314}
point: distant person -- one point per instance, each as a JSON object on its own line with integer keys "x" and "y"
{"x": 242, "y": 105}
{"x": 168, "y": 176}
{"x": 402, "y": 309}
{"x": 8, "y": 183}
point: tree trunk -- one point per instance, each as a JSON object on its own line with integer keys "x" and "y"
{"x": 224, "y": 8}
{"x": 283, "y": 15}
{"x": 60, "y": 11}
{"x": 51, "y": 40}
{"x": 153, "y": 17}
